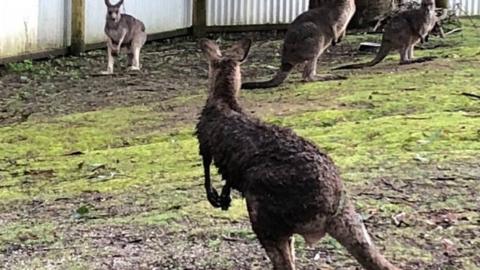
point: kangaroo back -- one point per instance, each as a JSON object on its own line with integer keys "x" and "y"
{"x": 308, "y": 36}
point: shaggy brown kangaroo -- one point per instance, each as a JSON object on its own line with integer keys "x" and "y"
{"x": 403, "y": 32}
{"x": 123, "y": 32}
{"x": 309, "y": 35}
{"x": 291, "y": 187}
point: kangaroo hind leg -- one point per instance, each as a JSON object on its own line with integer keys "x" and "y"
{"x": 279, "y": 251}
{"x": 137, "y": 45}
{"x": 278, "y": 245}
{"x": 310, "y": 70}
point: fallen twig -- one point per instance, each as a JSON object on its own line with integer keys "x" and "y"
{"x": 472, "y": 115}
{"x": 417, "y": 118}
{"x": 443, "y": 178}
{"x": 74, "y": 153}
{"x": 453, "y": 31}
{"x": 390, "y": 185}
{"x": 232, "y": 239}
{"x": 145, "y": 90}
{"x": 470, "y": 95}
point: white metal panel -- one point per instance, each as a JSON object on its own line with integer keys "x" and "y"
{"x": 466, "y": 7}
{"x": 248, "y": 12}
{"x": 158, "y": 15}
{"x": 463, "y": 7}
{"x": 30, "y": 26}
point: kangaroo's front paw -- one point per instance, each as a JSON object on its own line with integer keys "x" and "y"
{"x": 225, "y": 201}
{"x": 214, "y": 198}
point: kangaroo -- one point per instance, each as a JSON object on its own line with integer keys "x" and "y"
{"x": 123, "y": 32}
{"x": 403, "y": 32}
{"x": 290, "y": 185}
{"x": 313, "y": 4}
{"x": 309, "y": 35}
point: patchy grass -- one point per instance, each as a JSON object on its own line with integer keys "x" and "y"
{"x": 405, "y": 138}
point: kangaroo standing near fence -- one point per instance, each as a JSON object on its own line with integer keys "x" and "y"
{"x": 123, "y": 32}
{"x": 309, "y": 35}
{"x": 403, "y": 32}
{"x": 291, "y": 187}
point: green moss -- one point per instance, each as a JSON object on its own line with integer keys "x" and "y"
{"x": 28, "y": 234}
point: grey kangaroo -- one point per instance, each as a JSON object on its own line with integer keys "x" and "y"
{"x": 123, "y": 32}
{"x": 403, "y": 32}
{"x": 309, "y": 35}
{"x": 290, "y": 185}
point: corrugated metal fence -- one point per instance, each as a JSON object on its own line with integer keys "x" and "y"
{"x": 33, "y": 26}
{"x": 466, "y": 7}
{"x": 36, "y": 26}
{"x": 250, "y": 12}
{"x": 158, "y": 15}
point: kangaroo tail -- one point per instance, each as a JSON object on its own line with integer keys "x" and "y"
{"x": 279, "y": 78}
{"x": 382, "y": 53}
{"x": 350, "y": 231}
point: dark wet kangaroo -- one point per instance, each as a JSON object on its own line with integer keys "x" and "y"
{"x": 123, "y": 32}
{"x": 309, "y": 35}
{"x": 290, "y": 185}
{"x": 403, "y": 32}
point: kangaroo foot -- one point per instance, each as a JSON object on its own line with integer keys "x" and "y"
{"x": 418, "y": 60}
{"x": 106, "y": 72}
{"x": 225, "y": 202}
{"x": 225, "y": 198}
{"x": 134, "y": 68}
{"x": 329, "y": 77}
{"x": 214, "y": 198}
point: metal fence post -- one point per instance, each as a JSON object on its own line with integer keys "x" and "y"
{"x": 78, "y": 27}
{"x": 199, "y": 18}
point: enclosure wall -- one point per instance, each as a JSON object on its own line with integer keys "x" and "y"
{"x": 250, "y": 12}
{"x": 255, "y": 12}
{"x": 158, "y": 15}
{"x": 44, "y": 26}
{"x": 466, "y": 7}
{"x": 33, "y": 26}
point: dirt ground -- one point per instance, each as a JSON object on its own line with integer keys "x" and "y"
{"x": 108, "y": 202}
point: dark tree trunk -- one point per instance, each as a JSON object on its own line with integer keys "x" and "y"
{"x": 315, "y": 3}
{"x": 441, "y": 3}
{"x": 368, "y": 10}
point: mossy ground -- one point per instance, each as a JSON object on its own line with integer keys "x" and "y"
{"x": 118, "y": 184}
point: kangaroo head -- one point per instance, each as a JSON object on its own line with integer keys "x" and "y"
{"x": 113, "y": 11}
{"x": 224, "y": 74}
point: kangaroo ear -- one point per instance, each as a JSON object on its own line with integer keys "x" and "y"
{"x": 210, "y": 49}
{"x": 241, "y": 49}
{"x": 107, "y": 3}
{"x": 119, "y": 4}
